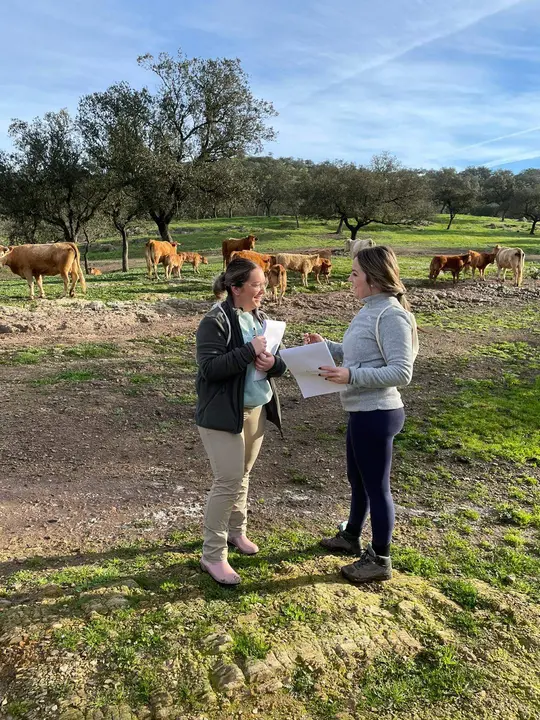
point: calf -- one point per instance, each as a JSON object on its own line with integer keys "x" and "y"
{"x": 510, "y": 259}
{"x": 94, "y": 271}
{"x": 34, "y": 261}
{"x": 323, "y": 267}
{"x": 448, "y": 263}
{"x": 480, "y": 261}
{"x": 195, "y": 259}
{"x": 173, "y": 265}
{"x": 231, "y": 244}
{"x": 277, "y": 281}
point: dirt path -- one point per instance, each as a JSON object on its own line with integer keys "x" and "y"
{"x": 110, "y": 456}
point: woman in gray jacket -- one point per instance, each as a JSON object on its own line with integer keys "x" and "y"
{"x": 377, "y": 356}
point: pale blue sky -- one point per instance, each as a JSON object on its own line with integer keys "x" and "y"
{"x": 436, "y": 82}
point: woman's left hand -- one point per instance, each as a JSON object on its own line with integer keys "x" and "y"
{"x": 265, "y": 361}
{"x": 338, "y": 375}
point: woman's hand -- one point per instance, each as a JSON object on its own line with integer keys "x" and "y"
{"x": 340, "y": 375}
{"x": 310, "y": 338}
{"x": 265, "y": 361}
{"x": 259, "y": 344}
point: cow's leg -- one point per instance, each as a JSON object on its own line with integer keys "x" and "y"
{"x": 504, "y": 274}
{"x": 39, "y": 281}
{"x": 74, "y": 277}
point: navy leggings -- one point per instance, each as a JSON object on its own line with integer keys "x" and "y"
{"x": 370, "y": 437}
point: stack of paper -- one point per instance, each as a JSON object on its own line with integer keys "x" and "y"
{"x": 304, "y": 363}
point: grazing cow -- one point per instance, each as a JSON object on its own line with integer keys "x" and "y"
{"x": 173, "y": 265}
{"x": 299, "y": 263}
{"x": 34, "y": 261}
{"x": 480, "y": 261}
{"x": 231, "y": 244}
{"x": 353, "y": 247}
{"x": 195, "y": 259}
{"x": 277, "y": 281}
{"x": 94, "y": 271}
{"x": 260, "y": 259}
{"x": 510, "y": 259}
{"x": 323, "y": 267}
{"x": 155, "y": 252}
{"x": 448, "y": 263}
{"x": 324, "y": 253}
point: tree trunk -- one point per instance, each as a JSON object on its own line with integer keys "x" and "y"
{"x": 214, "y": 212}
{"x": 338, "y": 231}
{"x": 163, "y": 227}
{"x": 452, "y": 216}
{"x": 533, "y": 227}
{"x": 503, "y": 215}
{"x": 297, "y": 223}
{"x": 125, "y": 250}
{"x": 230, "y": 211}
{"x": 85, "y": 256}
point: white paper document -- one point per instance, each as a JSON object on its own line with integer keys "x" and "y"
{"x": 304, "y": 363}
{"x": 273, "y": 331}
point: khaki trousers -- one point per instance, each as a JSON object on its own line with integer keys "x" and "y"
{"x": 231, "y": 457}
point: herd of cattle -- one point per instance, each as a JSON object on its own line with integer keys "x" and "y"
{"x": 32, "y": 262}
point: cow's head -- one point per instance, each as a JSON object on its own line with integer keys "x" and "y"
{"x": 4, "y": 252}
{"x": 496, "y": 249}
{"x": 204, "y": 260}
{"x": 251, "y": 240}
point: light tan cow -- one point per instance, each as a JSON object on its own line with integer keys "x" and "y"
{"x": 34, "y": 261}
{"x": 353, "y": 247}
{"x": 155, "y": 251}
{"x": 277, "y": 282}
{"x": 173, "y": 265}
{"x": 510, "y": 259}
{"x": 298, "y": 263}
{"x": 195, "y": 259}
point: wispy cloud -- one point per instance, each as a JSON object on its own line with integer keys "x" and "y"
{"x": 437, "y": 82}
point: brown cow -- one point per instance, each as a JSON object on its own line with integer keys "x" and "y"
{"x": 480, "y": 261}
{"x": 195, "y": 259}
{"x": 231, "y": 244}
{"x": 448, "y": 263}
{"x": 173, "y": 265}
{"x": 155, "y": 251}
{"x": 34, "y": 261}
{"x": 277, "y": 280}
{"x": 263, "y": 261}
{"x": 323, "y": 267}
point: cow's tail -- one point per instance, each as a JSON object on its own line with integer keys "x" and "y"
{"x": 77, "y": 264}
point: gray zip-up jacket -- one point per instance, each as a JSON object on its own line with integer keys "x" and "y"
{"x": 375, "y": 377}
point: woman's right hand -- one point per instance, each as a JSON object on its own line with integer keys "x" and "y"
{"x": 310, "y": 338}
{"x": 259, "y": 344}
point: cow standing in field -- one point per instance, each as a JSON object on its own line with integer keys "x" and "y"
{"x": 231, "y": 244}
{"x": 353, "y": 247}
{"x": 510, "y": 259}
{"x": 448, "y": 263}
{"x": 298, "y": 263}
{"x": 155, "y": 251}
{"x": 480, "y": 261}
{"x": 195, "y": 259}
{"x": 277, "y": 282}
{"x": 32, "y": 262}
{"x": 261, "y": 259}
{"x": 173, "y": 265}
{"x": 324, "y": 268}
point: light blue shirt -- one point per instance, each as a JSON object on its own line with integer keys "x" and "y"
{"x": 256, "y": 392}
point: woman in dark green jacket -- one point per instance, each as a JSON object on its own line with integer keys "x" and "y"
{"x": 232, "y": 408}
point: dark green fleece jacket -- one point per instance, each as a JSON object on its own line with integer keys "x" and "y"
{"x": 223, "y": 357}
